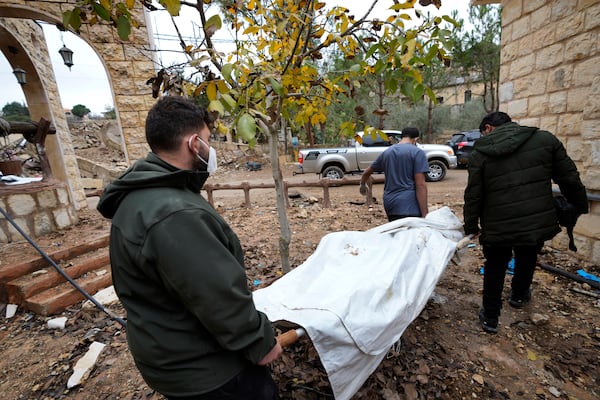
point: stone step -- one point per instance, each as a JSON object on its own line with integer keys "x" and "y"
{"x": 26, "y": 286}
{"x": 10, "y": 272}
{"x": 60, "y": 297}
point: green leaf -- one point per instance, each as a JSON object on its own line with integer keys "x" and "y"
{"x": 355, "y": 68}
{"x": 101, "y": 12}
{"x": 277, "y": 88}
{"x": 246, "y": 127}
{"x": 226, "y": 71}
{"x": 72, "y": 18}
{"x": 228, "y": 102}
{"x": 215, "y": 105}
{"x": 172, "y": 6}
{"x": 215, "y": 22}
{"x": 123, "y": 27}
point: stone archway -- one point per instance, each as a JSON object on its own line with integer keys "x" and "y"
{"x": 129, "y": 64}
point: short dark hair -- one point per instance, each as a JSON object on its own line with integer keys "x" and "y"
{"x": 410, "y": 132}
{"x": 495, "y": 118}
{"x": 170, "y": 119}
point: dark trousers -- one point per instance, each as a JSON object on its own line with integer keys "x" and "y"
{"x": 395, "y": 217}
{"x": 253, "y": 383}
{"x": 496, "y": 263}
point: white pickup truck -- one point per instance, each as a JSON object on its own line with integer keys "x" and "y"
{"x": 334, "y": 163}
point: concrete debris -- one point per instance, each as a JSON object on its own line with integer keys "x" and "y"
{"x": 11, "y": 310}
{"x": 84, "y": 365}
{"x": 57, "y": 323}
{"x": 104, "y": 297}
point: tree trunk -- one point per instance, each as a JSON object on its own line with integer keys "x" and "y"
{"x": 428, "y": 134}
{"x": 284, "y": 225}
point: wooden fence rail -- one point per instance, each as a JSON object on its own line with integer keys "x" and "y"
{"x": 324, "y": 183}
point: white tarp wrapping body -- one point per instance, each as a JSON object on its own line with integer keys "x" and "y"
{"x": 358, "y": 292}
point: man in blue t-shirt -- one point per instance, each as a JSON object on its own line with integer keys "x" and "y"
{"x": 404, "y": 166}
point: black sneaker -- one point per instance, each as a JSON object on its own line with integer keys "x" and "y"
{"x": 490, "y": 325}
{"x": 519, "y": 302}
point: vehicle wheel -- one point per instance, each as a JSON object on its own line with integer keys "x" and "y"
{"x": 437, "y": 171}
{"x": 333, "y": 172}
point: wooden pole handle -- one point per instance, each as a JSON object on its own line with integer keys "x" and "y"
{"x": 289, "y": 337}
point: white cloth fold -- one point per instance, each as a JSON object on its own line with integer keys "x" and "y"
{"x": 359, "y": 291}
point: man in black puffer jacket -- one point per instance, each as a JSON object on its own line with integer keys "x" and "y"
{"x": 509, "y": 194}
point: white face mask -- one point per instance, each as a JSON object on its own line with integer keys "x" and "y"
{"x": 211, "y": 164}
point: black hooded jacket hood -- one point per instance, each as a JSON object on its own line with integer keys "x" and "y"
{"x": 151, "y": 172}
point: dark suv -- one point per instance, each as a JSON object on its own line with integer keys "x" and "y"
{"x": 462, "y": 143}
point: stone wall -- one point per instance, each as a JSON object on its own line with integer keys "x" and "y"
{"x": 550, "y": 78}
{"x": 43, "y": 99}
{"x": 38, "y": 209}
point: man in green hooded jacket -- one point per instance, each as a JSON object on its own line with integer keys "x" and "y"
{"x": 509, "y": 194}
{"x": 178, "y": 269}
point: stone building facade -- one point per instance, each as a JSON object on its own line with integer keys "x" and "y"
{"x": 550, "y": 78}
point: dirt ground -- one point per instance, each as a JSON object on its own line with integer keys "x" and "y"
{"x": 547, "y": 350}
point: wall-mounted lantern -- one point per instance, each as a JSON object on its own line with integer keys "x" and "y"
{"x": 67, "y": 56}
{"x": 21, "y": 75}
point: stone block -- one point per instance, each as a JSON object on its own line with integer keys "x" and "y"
{"x": 131, "y": 119}
{"x": 21, "y": 204}
{"x": 569, "y": 26}
{"x": 517, "y": 108}
{"x": 586, "y": 71}
{"x": 137, "y": 54}
{"x": 531, "y": 85}
{"x": 99, "y": 34}
{"x": 588, "y": 225}
{"x": 594, "y": 148}
{"x": 3, "y": 232}
{"x": 591, "y": 107}
{"x": 531, "y": 5}
{"x": 538, "y": 105}
{"x": 557, "y": 102}
{"x": 61, "y": 217}
{"x": 576, "y": 149}
{"x": 522, "y": 66}
{"x": 525, "y": 45}
{"x": 134, "y": 135}
{"x": 569, "y": 123}
{"x": 511, "y": 11}
{"x": 595, "y": 256}
{"x": 137, "y": 151}
{"x": 131, "y": 103}
{"x": 592, "y": 17}
{"x": 521, "y": 27}
{"x": 549, "y": 123}
{"x": 550, "y": 56}
{"x": 577, "y": 98}
{"x": 540, "y": 17}
{"x": 110, "y": 52}
{"x": 120, "y": 70}
{"x": 591, "y": 178}
{"x": 562, "y": 9}
{"x": 544, "y": 36}
{"x": 62, "y": 195}
{"x": 560, "y": 78}
{"x": 13, "y": 234}
{"x": 46, "y": 199}
{"x": 42, "y": 223}
{"x": 581, "y": 46}
{"x": 505, "y": 92}
{"x": 529, "y": 121}
{"x": 590, "y": 129}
